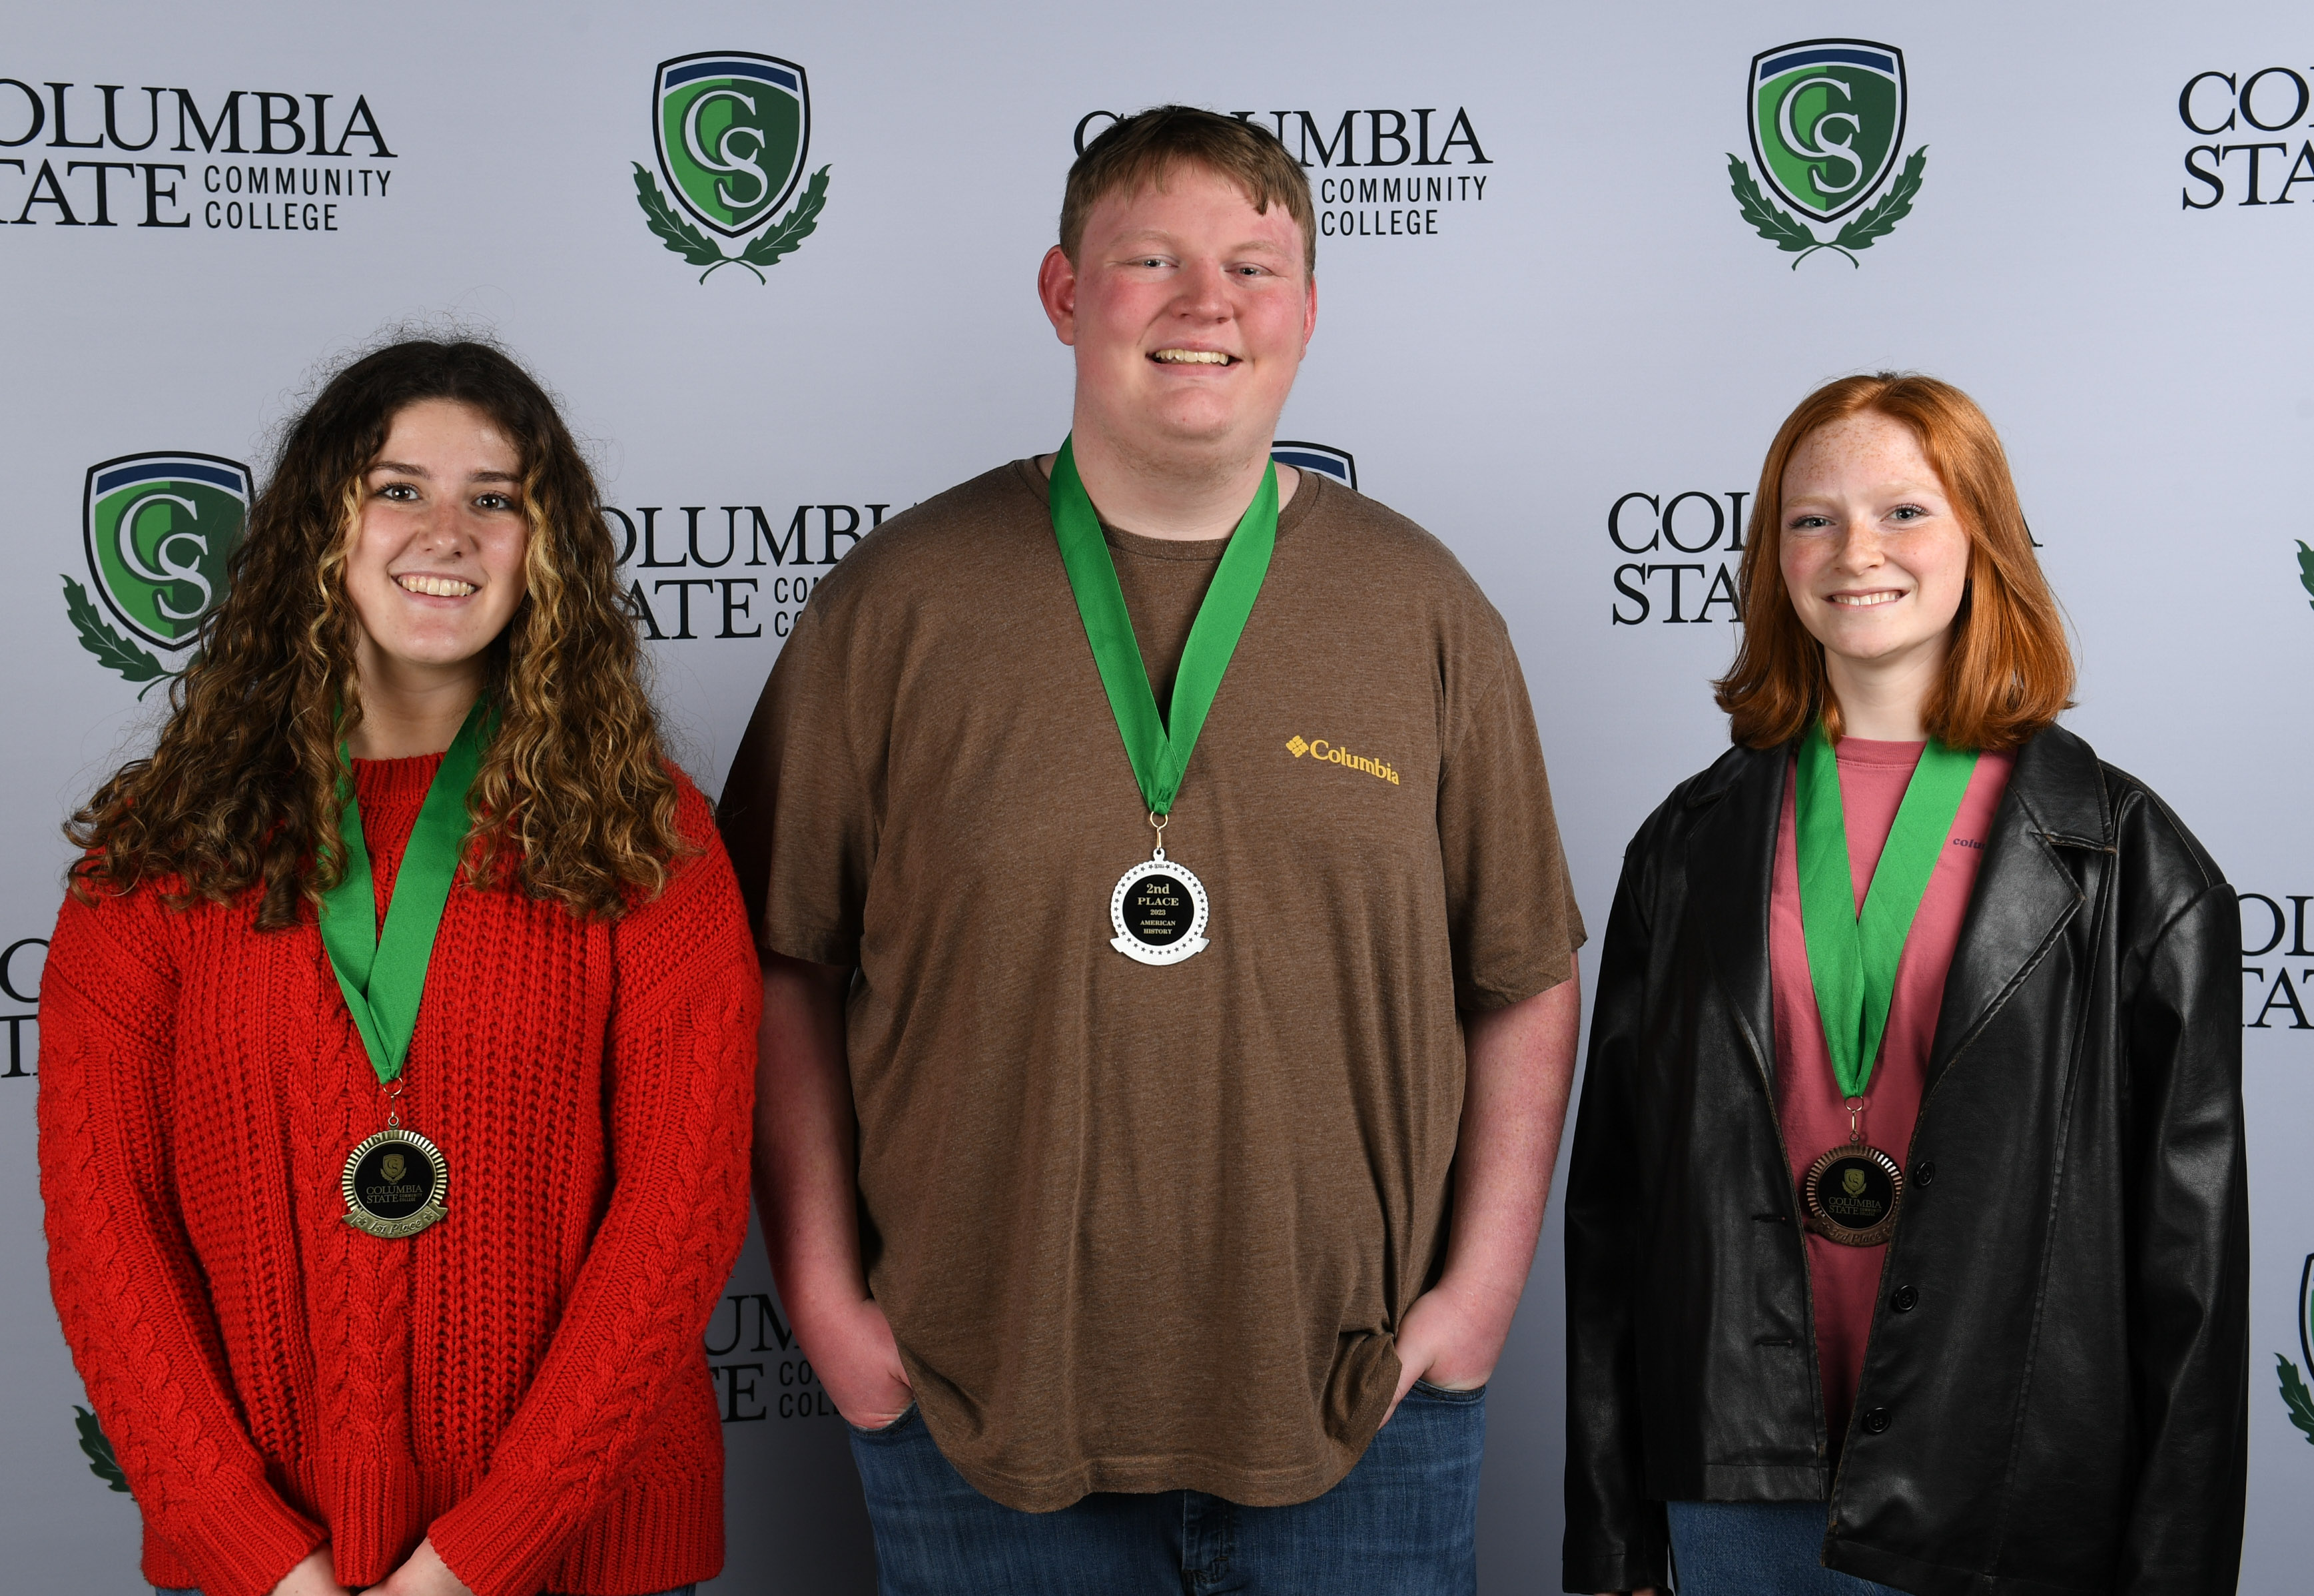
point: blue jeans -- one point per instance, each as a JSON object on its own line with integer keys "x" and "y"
{"x": 1757, "y": 1548}
{"x": 1403, "y": 1522}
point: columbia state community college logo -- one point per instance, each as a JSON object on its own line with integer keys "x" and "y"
{"x": 2295, "y": 1398}
{"x": 1324, "y": 459}
{"x": 1826, "y": 118}
{"x": 730, "y": 129}
{"x": 158, "y": 529}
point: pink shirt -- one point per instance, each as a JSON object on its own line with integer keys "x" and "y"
{"x": 1845, "y": 1280}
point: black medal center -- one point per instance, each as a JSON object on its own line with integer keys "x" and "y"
{"x": 1856, "y": 1192}
{"x": 1159, "y": 910}
{"x": 394, "y": 1179}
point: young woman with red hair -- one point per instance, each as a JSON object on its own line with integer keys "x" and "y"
{"x": 1907, "y": 1234}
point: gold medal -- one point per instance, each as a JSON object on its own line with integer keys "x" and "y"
{"x": 395, "y": 1183}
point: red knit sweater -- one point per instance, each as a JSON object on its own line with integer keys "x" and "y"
{"x": 522, "y": 1382}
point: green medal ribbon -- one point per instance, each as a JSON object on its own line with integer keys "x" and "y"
{"x": 1852, "y": 956}
{"x": 1159, "y": 743}
{"x": 383, "y": 974}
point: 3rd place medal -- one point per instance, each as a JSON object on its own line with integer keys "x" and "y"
{"x": 1851, "y": 1194}
{"x": 1159, "y": 909}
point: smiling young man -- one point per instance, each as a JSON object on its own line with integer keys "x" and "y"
{"x": 1157, "y": 1108}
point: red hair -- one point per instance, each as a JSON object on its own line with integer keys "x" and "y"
{"x": 2008, "y": 674}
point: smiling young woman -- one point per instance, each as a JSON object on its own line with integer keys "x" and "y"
{"x": 2001, "y": 669}
{"x": 1907, "y": 1229}
{"x": 398, "y": 1041}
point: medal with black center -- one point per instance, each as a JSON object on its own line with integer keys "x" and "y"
{"x": 1852, "y": 1192}
{"x": 1159, "y": 909}
{"x": 396, "y": 1184}
{"x": 1850, "y": 1195}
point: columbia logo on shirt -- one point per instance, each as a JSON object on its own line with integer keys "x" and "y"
{"x": 1328, "y": 753}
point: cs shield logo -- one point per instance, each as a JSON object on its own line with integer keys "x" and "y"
{"x": 1322, "y": 458}
{"x": 1826, "y": 120}
{"x": 2294, "y": 1394}
{"x": 98, "y": 1450}
{"x": 158, "y": 530}
{"x": 730, "y": 129}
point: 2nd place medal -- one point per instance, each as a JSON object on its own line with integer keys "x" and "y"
{"x": 396, "y": 1182}
{"x": 1159, "y": 909}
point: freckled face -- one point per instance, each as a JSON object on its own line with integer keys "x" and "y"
{"x": 437, "y": 568}
{"x": 1873, "y": 556}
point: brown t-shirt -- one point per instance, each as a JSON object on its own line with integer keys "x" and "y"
{"x": 1149, "y": 1227}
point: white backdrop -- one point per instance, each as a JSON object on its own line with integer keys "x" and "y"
{"x": 1593, "y": 320}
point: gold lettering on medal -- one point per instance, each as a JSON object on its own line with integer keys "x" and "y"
{"x": 392, "y": 1171}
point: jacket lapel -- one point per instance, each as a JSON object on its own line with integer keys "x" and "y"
{"x": 1731, "y": 856}
{"x": 2024, "y": 893}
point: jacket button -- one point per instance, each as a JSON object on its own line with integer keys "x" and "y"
{"x": 1876, "y": 1420}
{"x": 1924, "y": 1173}
{"x": 1907, "y": 1297}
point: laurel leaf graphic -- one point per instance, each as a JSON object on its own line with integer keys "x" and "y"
{"x": 2306, "y": 570}
{"x": 797, "y": 225}
{"x": 1778, "y": 226}
{"x": 2295, "y": 1396}
{"x": 113, "y": 650}
{"x": 1879, "y": 218}
{"x": 676, "y": 233}
{"x": 102, "y": 1463}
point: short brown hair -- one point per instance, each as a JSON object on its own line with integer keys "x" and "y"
{"x": 2008, "y": 674}
{"x": 1137, "y": 151}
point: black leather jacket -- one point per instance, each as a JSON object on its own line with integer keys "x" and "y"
{"x": 2054, "y": 1397}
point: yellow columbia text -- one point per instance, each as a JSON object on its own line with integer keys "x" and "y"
{"x": 1321, "y": 749}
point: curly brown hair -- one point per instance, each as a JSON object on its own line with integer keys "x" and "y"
{"x": 576, "y": 798}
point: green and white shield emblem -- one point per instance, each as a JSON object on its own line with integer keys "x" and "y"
{"x": 2295, "y": 1398}
{"x": 159, "y": 529}
{"x": 1827, "y": 120}
{"x": 731, "y": 129}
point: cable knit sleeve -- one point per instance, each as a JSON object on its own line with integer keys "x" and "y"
{"x": 683, "y": 1056}
{"x": 128, "y": 1289}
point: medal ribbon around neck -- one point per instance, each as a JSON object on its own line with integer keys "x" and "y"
{"x": 1159, "y": 743}
{"x": 383, "y": 974}
{"x": 1852, "y": 956}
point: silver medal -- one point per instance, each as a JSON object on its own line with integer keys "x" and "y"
{"x": 1159, "y": 909}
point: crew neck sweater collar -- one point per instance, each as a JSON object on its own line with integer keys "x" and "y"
{"x": 392, "y": 783}
{"x": 1871, "y": 751}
